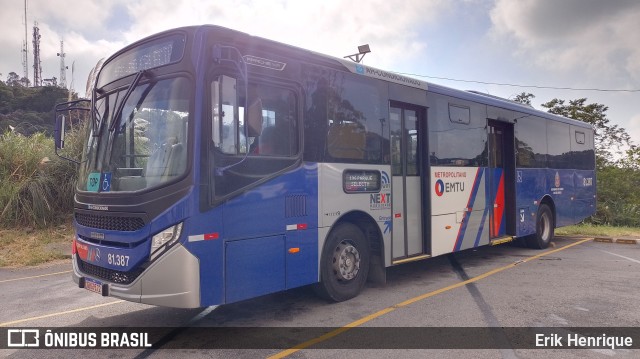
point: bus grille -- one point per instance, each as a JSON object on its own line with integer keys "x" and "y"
{"x": 128, "y": 224}
{"x": 295, "y": 206}
{"x": 109, "y": 274}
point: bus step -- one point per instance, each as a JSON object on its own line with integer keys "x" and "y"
{"x": 500, "y": 240}
{"x": 411, "y": 259}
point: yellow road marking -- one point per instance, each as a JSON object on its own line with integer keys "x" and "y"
{"x": 6, "y": 324}
{"x": 35, "y": 276}
{"x": 390, "y": 309}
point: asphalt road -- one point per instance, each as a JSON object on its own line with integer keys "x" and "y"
{"x": 574, "y": 283}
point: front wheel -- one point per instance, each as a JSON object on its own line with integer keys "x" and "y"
{"x": 544, "y": 228}
{"x": 344, "y": 265}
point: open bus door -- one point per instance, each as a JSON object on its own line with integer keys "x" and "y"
{"x": 501, "y": 180}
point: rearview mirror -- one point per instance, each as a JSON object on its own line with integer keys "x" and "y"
{"x": 61, "y": 121}
{"x": 255, "y": 118}
{"x": 58, "y": 132}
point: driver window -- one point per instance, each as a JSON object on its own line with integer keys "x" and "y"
{"x": 228, "y": 117}
{"x": 279, "y": 131}
{"x": 243, "y": 157}
{"x": 271, "y": 128}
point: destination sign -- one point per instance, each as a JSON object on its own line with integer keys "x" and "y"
{"x": 361, "y": 181}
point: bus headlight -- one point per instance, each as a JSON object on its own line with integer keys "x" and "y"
{"x": 165, "y": 239}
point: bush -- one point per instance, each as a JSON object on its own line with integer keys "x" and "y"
{"x": 36, "y": 187}
{"x": 618, "y": 196}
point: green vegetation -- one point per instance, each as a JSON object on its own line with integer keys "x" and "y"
{"x": 26, "y": 246}
{"x": 592, "y": 230}
{"x": 37, "y": 187}
{"x": 28, "y": 110}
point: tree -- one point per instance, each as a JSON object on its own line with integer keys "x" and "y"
{"x": 524, "y": 98}
{"x": 7, "y": 99}
{"x": 13, "y": 79}
{"x": 28, "y": 109}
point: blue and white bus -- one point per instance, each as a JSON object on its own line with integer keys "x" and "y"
{"x": 221, "y": 166}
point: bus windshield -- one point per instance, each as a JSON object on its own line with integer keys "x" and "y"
{"x": 143, "y": 148}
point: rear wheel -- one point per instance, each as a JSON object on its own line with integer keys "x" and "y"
{"x": 544, "y": 228}
{"x": 344, "y": 265}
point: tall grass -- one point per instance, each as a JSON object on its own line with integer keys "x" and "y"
{"x": 36, "y": 187}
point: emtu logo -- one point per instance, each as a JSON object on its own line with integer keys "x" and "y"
{"x": 439, "y": 188}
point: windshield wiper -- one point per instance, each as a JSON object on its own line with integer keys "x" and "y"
{"x": 115, "y": 122}
{"x": 116, "y": 119}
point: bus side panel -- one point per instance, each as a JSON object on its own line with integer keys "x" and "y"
{"x": 302, "y": 256}
{"x": 335, "y": 203}
{"x": 572, "y": 192}
{"x": 254, "y": 267}
{"x": 531, "y": 186}
{"x": 584, "y": 204}
{"x": 459, "y": 208}
{"x": 288, "y": 199}
{"x": 583, "y": 157}
{"x": 258, "y": 266}
{"x": 561, "y": 187}
{"x": 210, "y": 253}
{"x": 261, "y": 225}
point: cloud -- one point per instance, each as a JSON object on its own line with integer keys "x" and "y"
{"x": 83, "y": 27}
{"x": 93, "y": 29}
{"x": 598, "y": 39}
{"x": 331, "y": 27}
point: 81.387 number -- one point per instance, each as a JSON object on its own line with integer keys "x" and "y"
{"x": 118, "y": 260}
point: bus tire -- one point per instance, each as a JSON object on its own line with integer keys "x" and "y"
{"x": 344, "y": 264}
{"x": 544, "y": 228}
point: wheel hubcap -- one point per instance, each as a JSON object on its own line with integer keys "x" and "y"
{"x": 346, "y": 261}
{"x": 545, "y": 222}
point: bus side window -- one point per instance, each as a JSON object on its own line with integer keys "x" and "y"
{"x": 276, "y": 132}
{"x": 346, "y": 140}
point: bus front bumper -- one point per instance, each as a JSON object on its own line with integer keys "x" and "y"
{"x": 173, "y": 280}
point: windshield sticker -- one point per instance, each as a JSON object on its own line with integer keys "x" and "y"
{"x": 105, "y": 185}
{"x": 93, "y": 182}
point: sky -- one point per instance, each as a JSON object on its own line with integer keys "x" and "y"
{"x": 579, "y": 44}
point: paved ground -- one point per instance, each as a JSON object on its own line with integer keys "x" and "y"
{"x": 573, "y": 284}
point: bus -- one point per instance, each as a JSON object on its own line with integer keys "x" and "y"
{"x": 220, "y": 166}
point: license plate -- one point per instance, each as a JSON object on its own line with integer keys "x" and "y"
{"x": 93, "y": 285}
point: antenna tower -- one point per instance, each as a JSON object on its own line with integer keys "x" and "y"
{"x": 63, "y": 68}
{"x": 37, "y": 64}
{"x": 73, "y": 69}
{"x": 25, "y": 47}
